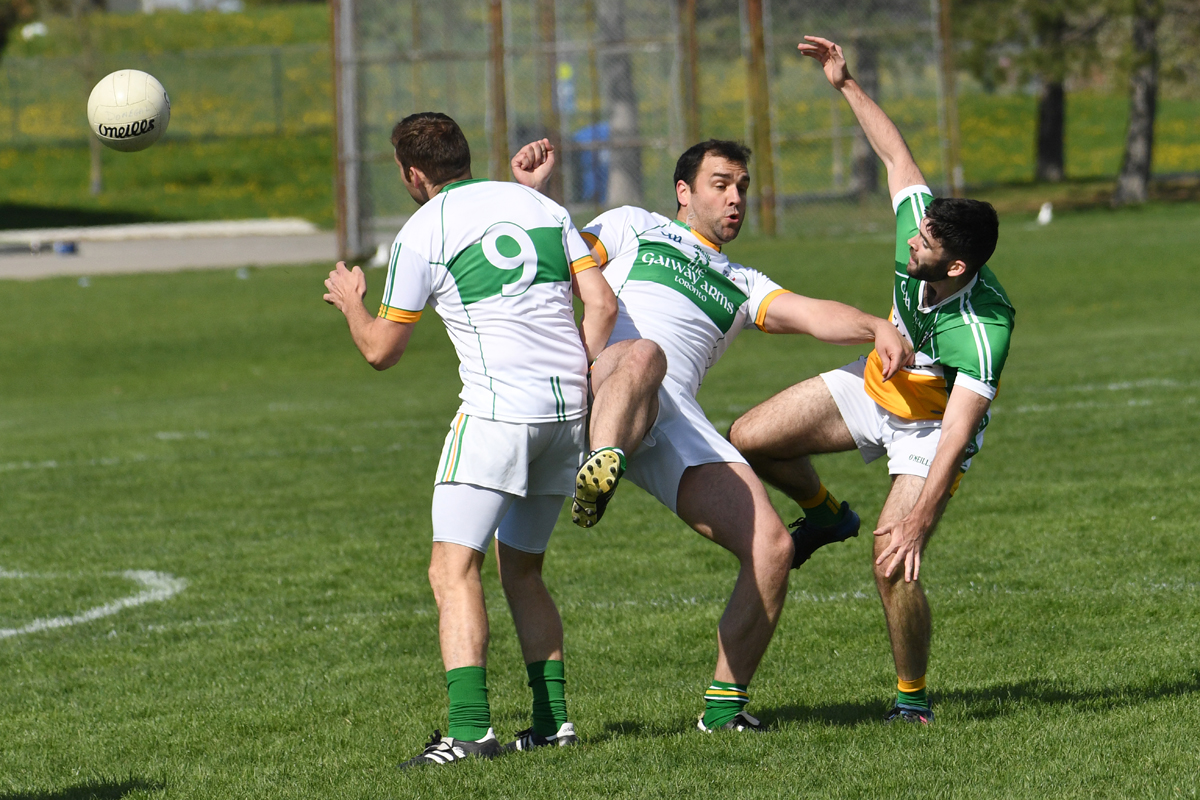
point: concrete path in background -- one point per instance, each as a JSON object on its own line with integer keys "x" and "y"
{"x": 165, "y": 247}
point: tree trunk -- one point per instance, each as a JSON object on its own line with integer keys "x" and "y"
{"x": 1134, "y": 180}
{"x": 1052, "y": 109}
{"x": 1050, "y": 161}
{"x": 620, "y": 103}
{"x": 864, "y": 169}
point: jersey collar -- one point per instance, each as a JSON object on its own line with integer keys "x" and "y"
{"x": 926, "y": 309}
{"x": 698, "y": 235}
{"x": 457, "y": 184}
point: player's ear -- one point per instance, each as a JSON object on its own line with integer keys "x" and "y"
{"x": 957, "y": 268}
{"x": 683, "y": 192}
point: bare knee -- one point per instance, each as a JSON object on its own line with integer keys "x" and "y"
{"x": 647, "y": 360}
{"x": 780, "y": 549}
{"x": 451, "y": 568}
{"x": 519, "y": 571}
{"x": 750, "y": 436}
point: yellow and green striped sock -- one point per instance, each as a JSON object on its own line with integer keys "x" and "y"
{"x": 822, "y": 510}
{"x": 722, "y": 702}
{"x": 912, "y": 693}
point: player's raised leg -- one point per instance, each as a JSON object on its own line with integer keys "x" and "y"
{"x": 625, "y": 381}
{"x": 907, "y": 611}
{"x": 777, "y": 437}
{"x": 539, "y": 626}
{"x": 726, "y": 503}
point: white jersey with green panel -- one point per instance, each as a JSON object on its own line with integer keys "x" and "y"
{"x": 494, "y": 261}
{"x": 959, "y": 341}
{"x": 677, "y": 289}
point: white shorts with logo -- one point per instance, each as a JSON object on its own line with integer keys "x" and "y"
{"x": 505, "y": 479}
{"x": 681, "y": 437}
{"x": 909, "y": 444}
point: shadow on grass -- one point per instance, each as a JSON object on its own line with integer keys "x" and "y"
{"x": 19, "y": 216}
{"x": 846, "y": 714}
{"x": 92, "y": 790}
{"x": 989, "y": 702}
{"x": 994, "y": 701}
{"x": 627, "y": 728}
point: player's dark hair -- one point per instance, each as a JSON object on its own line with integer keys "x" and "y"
{"x": 966, "y": 229}
{"x": 434, "y": 144}
{"x": 689, "y": 163}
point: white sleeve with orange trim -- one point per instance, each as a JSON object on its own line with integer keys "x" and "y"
{"x": 616, "y": 231}
{"x": 409, "y": 283}
{"x": 762, "y": 291}
{"x": 578, "y": 252}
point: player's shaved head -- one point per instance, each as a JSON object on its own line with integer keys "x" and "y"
{"x": 966, "y": 229}
{"x": 688, "y": 165}
{"x": 434, "y": 144}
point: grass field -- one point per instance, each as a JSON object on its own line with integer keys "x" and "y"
{"x": 225, "y": 433}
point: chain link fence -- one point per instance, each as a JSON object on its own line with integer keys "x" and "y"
{"x": 623, "y": 87}
{"x": 244, "y": 91}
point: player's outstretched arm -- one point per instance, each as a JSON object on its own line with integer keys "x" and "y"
{"x": 838, "y": 323}
{"x": 533, "y": 164}
{"x": 964, "y": 412}
{"x": 380, "y": 340}
{"x": 881, "y": 132}
{"x": 599, "y": 310}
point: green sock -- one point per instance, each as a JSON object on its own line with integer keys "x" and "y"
{"x": 917, "y": 699}
{"x": 822, "y": 509}
{"x": 470, "y": 716}
{"x": 548, "y": 681}
{"x": 722, "y": 702}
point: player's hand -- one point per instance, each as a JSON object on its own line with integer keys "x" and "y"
{"x": 533, "y": 163}
{"x": 344, "y": 286}
{"x": 829, "y": 56}
{"x": 894, "y": 350}
{"x": 908, "y": 536}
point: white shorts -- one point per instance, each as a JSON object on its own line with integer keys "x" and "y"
{"x": 521, "y": 459}
{"x": 470, "y": 516}
{"x": 681, "y": 437}
{"x": 909, "y": 444}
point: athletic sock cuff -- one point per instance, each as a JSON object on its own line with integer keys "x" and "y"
{"x": 910, "y": 686}
{"x": 550, "y": 670}
{"x": 816, "y": 500}
{"x": 728, "y": 692}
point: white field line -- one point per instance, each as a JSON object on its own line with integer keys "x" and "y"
{"x": 862, "y": 594}
{"x": 1118, "y": 386}
{"x": 157, "y": 587}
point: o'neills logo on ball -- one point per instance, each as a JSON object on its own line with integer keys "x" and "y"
{"x": 126, "y": 131}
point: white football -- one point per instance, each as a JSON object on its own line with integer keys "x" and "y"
{"x": 128, "y": 110}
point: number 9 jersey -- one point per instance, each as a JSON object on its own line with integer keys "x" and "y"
{"x": 494, "y": 261}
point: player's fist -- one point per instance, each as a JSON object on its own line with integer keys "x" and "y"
{"x": 829, "y": 56}
{"x": 533, "y": 163}
{"x": 344, "y": 286}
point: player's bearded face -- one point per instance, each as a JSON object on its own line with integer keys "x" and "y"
{"x": 927, "y": 261}
{"x": 717, "y": 205}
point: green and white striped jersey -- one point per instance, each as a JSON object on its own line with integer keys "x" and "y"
{"x": 676, "y": 288}
{"x": 494, "y": 261}
{"x": 961, "y": 340}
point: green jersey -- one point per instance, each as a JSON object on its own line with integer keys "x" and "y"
{"x": 961, "y": 340}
